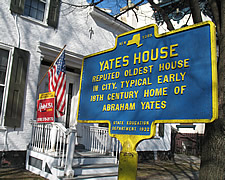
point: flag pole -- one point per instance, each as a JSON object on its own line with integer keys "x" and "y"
{"x": 50, "y": 66}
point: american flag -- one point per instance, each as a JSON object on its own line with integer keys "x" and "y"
{"x": 57, "y": 83}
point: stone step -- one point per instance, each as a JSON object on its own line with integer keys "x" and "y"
{"x": 87, "y": 157}
{"x": 96, "y": 169}
{"x": 93, "y": 160}
{"x": 105, "y": 176}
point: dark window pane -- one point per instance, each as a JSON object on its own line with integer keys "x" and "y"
{"x": 41, "y": 6}
{"x": 1, "y": 96}
{"x": 28, "y": 2}
{"x": 34, "y": 4}
{"x": 161, "y": 130}
{"x": 40, "y": 15}
{"x": 27, "y": 10}
{"x": 3, "y": 64}
{"x": 33, "y": 13}
{"x": 70, "y": 93}
{"x": 35, "y": 9}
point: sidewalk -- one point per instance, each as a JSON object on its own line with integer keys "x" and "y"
{"x": 182, "y": 168}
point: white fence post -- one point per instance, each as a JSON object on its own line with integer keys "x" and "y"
{"x": 70, "y": 153}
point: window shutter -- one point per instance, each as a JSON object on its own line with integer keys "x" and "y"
{"x": 53, "y": 15}
{"x": 17, "y": 6}
{"x": 17, "y": 84}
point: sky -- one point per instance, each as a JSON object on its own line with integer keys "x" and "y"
{"x": 114, "y": 5}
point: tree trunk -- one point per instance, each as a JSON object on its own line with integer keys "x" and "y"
{"x": 195, "y": 10}
{"x": 213, "y": 152}
{"x": 213, "y": 149}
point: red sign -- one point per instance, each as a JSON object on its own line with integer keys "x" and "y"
{"x": 46, "y": 110}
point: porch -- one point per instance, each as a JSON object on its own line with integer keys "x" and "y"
{"x": 87, "y": 152}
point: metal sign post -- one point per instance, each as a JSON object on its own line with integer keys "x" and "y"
{"x": 150, "y": 78}
{"x": 128, "y": 157}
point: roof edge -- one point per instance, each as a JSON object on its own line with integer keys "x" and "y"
{"x": 97, "y": 12}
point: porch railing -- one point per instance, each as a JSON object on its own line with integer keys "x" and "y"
{"x": 97, "y": 139}
{"x": 55, "y": 140}
{"x": 50, "y": 139}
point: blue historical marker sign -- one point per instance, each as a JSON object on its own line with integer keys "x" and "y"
{"x": 149, "y": 78}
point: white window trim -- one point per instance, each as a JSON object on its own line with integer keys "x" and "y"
{"x": 7, "y": 80}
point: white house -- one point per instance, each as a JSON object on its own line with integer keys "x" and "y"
{"x": 32, "y": 34}
{"x": 29, "y": 34}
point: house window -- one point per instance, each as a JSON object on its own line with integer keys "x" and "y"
{"x": 161, "y": 129}
{"x": 35, "y": 9}
{"x": 1, "y": 97}
{"x": 13, "y": 68}
{"x": 69, "y": 101}
{"x": 4, "y": 54}
{"x": 46, "y": 11}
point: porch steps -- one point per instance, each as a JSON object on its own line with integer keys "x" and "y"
{"x": 90, "y": 165}
{"x": 86, "y": 165}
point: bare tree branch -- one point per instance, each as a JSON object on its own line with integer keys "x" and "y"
{"x": 135, "y": 14}
{"x": 129, "y": 8}
{"x": 215, "y": 12}
{"x": 96, "y": 3}
{"x": 164, "y": 15}
{"x": 83, "y": 6}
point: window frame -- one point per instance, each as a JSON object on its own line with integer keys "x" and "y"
{"x": 7, "y": 80}
{"x": 51, "y": 15}
{"x": 45, "y": 18}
